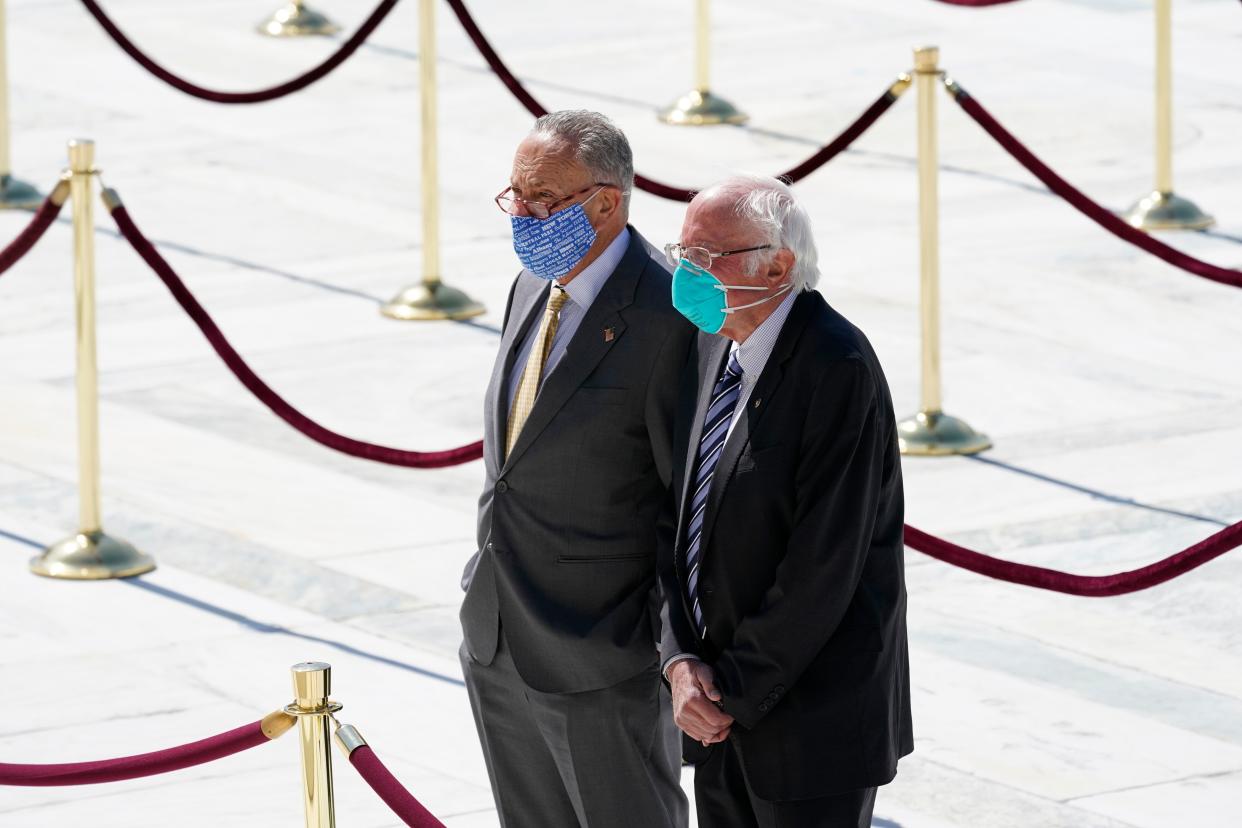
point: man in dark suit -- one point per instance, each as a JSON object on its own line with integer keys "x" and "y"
{"x": 785, "y": 622}
{"x": 561, "y": 609}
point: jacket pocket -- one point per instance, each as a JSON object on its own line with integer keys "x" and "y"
{"x": 754, "y": 456}
{"x": 590, "y": 559}
{"x": 858, "y": 639}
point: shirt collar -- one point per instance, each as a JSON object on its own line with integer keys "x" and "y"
{"x": 754, "y": 352}
{"x": 584, "y": 287}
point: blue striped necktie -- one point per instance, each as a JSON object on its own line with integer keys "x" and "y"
{"x": 711, "y": 446}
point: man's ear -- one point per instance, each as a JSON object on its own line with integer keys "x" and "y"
{"x": 609, "y": 201}
{"x": 779, "y": 267}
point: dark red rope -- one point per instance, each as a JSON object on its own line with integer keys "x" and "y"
{"x": 394, "y": 794}
{"x": 822, "y": 156}
{"x": 975, "y": 3}
{"x": 842, "y": 141}
{"x": 260, "y": 95}
{"x": 30, "y": 235}
{"x": 265, "y": 394}
{"x": 132, "y": 767}
{"x": 1100, "y": 215}
{"x": 1095, "y": 586}
{"x": 493, "y": 60}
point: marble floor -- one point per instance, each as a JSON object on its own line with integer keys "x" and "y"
{"x": 1109, "y": 381}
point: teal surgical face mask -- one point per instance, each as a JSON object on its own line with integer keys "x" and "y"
{"x": 703, "y": 299}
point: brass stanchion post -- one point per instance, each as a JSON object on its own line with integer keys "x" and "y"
{"x": 1161, "y": 209}
{"x": 312, "y": 684}
{"x": 90, "y": 554}
{"x": 295, "y": 20}
{"x": 931, "y": 431}
{"x": 699, "y": 107}
{"x": 14, "y": 194}
{"x": 431, "y": 298}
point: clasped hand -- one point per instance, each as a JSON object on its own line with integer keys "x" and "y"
{"x": 695, "y": 698}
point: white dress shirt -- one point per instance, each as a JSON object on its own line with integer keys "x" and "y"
{"x": 753, "y": 353}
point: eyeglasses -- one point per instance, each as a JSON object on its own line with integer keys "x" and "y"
{"x": 538, "y": 209}
{"x": 701, "y": 257}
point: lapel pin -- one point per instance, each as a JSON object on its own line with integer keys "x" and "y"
{"x": 610, "y": 334}
{"x": 756, "y": 403}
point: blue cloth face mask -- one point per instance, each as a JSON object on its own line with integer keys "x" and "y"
{"x": 703, "y": 299}
{"x": 551, "y": 247}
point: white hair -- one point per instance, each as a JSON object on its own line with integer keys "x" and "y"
{"x": 768, "y": 204}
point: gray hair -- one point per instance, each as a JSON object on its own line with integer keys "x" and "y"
{"x": 768, "y": 204}
{"x": 597, "y": 144}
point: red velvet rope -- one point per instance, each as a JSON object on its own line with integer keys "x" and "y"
{"x": 493, "y": 60}
{"x": 1095, "y": 586}
{"x": 260, "y": 95}
{"x": 818, "y": 159}
{"x": 132, "y": 767}
{"x": 975, "y": 3}
{"x": 30, "y": 235}
{"x": 394, "y": 794}
{"x": 839, "y": 144}
{"x": 1100, "y": 215}
{"x": 265, "y": 394}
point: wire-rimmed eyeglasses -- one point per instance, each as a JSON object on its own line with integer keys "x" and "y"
{"x": 701, "y": 257}
{"x": 508, "y": 202}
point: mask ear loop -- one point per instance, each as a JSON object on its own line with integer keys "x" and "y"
{"x": 760, "y": 302}
{"x": 726, "y": 288}
{"x": 587, "y": 200}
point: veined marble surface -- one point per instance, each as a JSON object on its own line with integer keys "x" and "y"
{"x": 1109, "y": 381}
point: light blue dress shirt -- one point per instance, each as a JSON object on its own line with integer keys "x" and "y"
{"x": 582, "y": 290}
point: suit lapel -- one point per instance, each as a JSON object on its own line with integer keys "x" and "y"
{"x": 587, "y": 347}
{"x": 525, "y": 313}
{"x": 747, "y": 419}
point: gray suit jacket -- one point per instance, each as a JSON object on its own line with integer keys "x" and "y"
{"x": 571, "y": 523}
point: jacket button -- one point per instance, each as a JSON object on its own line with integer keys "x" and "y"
{"x": 707, "y": 590}
{"x": 491, "y": 547}
{"x": 502, "y": 487}
{"x": 780, "y": 688}
{"x": 763, "y": 707}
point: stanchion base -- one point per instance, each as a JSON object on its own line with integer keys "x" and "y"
{"x": 427, "y": 302}
{"x": 1167, "y": 211}
{"x": 699, "y": 107}
{"x": 17, "y": 195}
{"x": 295, "y": 20}
{"x": 91, "y": 556}
{"x": 936, "y": 434}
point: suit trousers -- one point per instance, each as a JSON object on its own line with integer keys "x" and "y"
{"x": 605, "y": 758}
{"x": 723, "y": 799}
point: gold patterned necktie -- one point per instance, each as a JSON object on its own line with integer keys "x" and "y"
{"x": 528, "y": 388}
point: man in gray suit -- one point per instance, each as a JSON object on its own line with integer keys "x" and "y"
{"x": 561, "y": 614}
